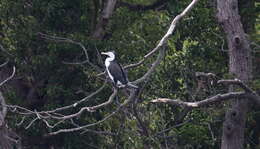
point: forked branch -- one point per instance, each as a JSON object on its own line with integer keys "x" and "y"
{"x": 248, "y": 93}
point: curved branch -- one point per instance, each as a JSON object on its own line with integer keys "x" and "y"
{"x": 67, "y": 40}
{"x": 251, "y": 93}
{"x": 9, "y": 78}
{"x": 78, "y": 102}
{"x": 239, "y": 83}
{"x": 172, "y": 28}
{"x": 205, "y": 102}
{"x": 62, "y": 39}
{"x": 132, "y": 96}
{"x": 90, "y": 109}
{"x": 152, "y": 69}
{"x": 248, "y": 93}
{"x": 2, "y": 65}
{"x": 93, "y": 108}
{"x": 161, "y": 46}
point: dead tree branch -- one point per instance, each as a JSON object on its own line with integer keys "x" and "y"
{"x": 205, "y": 102}
{"x": 9, "y": 78}
{"x": 248, "y": 93}
{"x": 172, "y": 27}
{"x": 53, "y": 114}
{"x": 132, "y": 96}
{"x": 67, "y": 40}
{"x": 164, "y": 39}
{"x": 57, "y": 115}
{"x": 2, "y": 65}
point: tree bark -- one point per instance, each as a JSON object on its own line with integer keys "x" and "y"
{"x": 8, "y": 138}
{"x": 109, "y": 7}
{"x": 239, "y": 66}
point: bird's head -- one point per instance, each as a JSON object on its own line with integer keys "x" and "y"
{"x": 110, "y": 54}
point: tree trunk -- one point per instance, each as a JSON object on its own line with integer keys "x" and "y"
{"x": 239, "y": 66}
{"x": 109, "y": 7}
{"x": 8, "y": 138}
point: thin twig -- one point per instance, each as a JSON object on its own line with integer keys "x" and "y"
{"x": 130, "y": 98}
{"x": 2, "y": 65}
{"x": 9, "y": 78}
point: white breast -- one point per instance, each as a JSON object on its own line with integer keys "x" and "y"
{"x": 107, "y": 63}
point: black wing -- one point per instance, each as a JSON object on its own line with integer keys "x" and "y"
{"x": 117, "y": 72}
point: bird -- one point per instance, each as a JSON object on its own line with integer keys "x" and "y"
{"x": 114, "y": 70}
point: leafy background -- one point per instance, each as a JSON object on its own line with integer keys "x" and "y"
{"x": 198, "y": 45}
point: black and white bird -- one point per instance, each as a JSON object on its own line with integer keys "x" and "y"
{"x": 114, "y": 70}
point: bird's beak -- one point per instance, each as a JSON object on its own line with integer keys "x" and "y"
{"x": 104, "y": 53}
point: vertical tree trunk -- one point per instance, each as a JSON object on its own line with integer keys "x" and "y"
{"x": 8, "y": 138}
{"x": 104, "y": 18}
{"x": 239, "y": 66}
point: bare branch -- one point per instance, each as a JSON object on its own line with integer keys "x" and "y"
{"x": 78, "y": 102}
{"x": 30, "y": 124}
{"x": 249, "y": 93}
{"x": 211, "y": 132}
{"x": 152, "y": 69}
{"x": 205, "y": 102}
{"x": 21, "y": 122}
{"x": 52, "y": 114}
{"x": 168, "y": 33}
{"x": 161, "y": 45}
{"x": 9, "y": 78}
{"x": 90, "y": 109}
{"x": 2, "y": 65}
{"x": 203, "y": 74}
{"x": 172, "y": 27}
{"x": 93, "y": 108}
{"x": 132, "y": 96}
{"x": 239, "y": 83}
{"x": 62, "y": 39}
{"x": 134, "y": 65}
{"x": 252, "y": 94}
{"x": 67, "y": 40}
{"x": 82, "y": 127}
{"x": 52, "y": 126}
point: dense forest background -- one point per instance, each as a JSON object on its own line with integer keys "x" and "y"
{"x": 43, "y": 39}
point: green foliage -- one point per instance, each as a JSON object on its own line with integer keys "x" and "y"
{"x": 197, "y": 45}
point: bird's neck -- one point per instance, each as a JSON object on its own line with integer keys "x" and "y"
{"x": 108, "y": 60}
